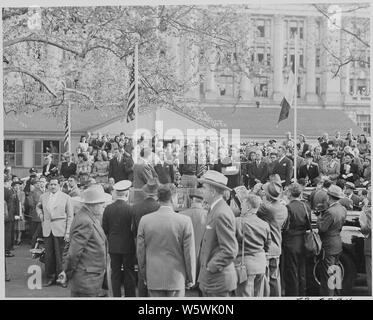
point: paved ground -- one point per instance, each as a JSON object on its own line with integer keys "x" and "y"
{"x": 18, "y": 269}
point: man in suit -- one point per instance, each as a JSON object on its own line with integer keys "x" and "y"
{"x": 165, "y": 249}
{"x": 149, "y": 205}
{"x": 283, "y": 167}
{"x": 68, "y": 167}
{"x": 117, "y": 167}
{"x": 116, "y": 223}
{"x": 310, "y": 170}
{"x": 55, "y": 210}
{"x": 198, "y": 215}
{"x": 143, "y": 171}
{"x": 349, "y": 170}
{"x": 349, "y": 192}
{"x": 274, "y": 212}
{"x": 330, "y": 224}
{"x": 49, "y": 169}
{"x": 86, "y": 260}
{"x": 73, "y": 190}
{"x": 12, "y": 201}
{"x": 258, "y": 170}
{"x": 217, "y": 276}
{"x": 33, "y": 200}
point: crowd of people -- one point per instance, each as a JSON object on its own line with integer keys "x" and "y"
{"x": 109, "y": 216}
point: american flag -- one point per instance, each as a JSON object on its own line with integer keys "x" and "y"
{"x": 66, "y": 141}
{"x": 131, "y": 104}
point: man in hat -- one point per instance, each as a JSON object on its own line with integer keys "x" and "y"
{"x": 274, "y": 212}
{"x": 55, "y": 210}
{"x": 217, "y": 276}
{"x": 86, "y": 260}
{"x": 310, "y": 170}
{"x": 116, "y": 223}
{"x": 198, "y": 215}
{"x": 283, "y": 167}
{"x": 140, "y": 209}
{"x": 68, "y": 167}
{"x": 33, "y": 175}
{"x": 330, "y": 225}
{"x": 165, "y": 249}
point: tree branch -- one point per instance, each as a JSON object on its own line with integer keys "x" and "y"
{"x": 325, "y": 14}
{"x": 30, "y": 74}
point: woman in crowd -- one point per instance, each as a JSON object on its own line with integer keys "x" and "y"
{"x": 363, "y": 145}
{"x": 100, "y": 169}
{"x": 83, "y": 144}
{"x": 83, "y": 167}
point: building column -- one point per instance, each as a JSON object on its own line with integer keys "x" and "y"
{"x": 333, "y": 96}
{"x": 246, "y": 88}
{"x": 310, "y": 55}
{"x": 278, "y": 56}
{"x": 191, "y": 68}
{"x": 211, "y": 87}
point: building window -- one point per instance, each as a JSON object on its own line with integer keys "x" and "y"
{"x": 226, "y": 85}
{"x": 301, "y": 60}
{"x": 363, "y": 121}
{"x": 301, "y": 33}
{"x": 43, "y": 147}
{"x": 296, "y": 27}
{"x": 268, "y": 59}
{"x": 261, "y": 87}
{"x": 260, "y": 57}
{"x": 318, "y": 86}
{"x": 299, "y": 88}
{"x": 260, "y": 28}
{"x": 13, "y": 152}
{"x": 285, "y": 60}
{"x": 317, "y": 61}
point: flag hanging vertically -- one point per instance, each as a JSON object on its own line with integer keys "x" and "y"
{"x": 132, "y": 93}
{"x": 289, "y": 95}
{"x": 67, "y": 137}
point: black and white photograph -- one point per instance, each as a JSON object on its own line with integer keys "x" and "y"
{"x": 187, "y": 151}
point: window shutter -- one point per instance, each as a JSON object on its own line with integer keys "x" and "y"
{"x": 19, "y": 153}
{"x": 37, "y": 153}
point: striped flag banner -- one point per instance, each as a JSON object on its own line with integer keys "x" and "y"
{"x": 67, "y": 137}
{"x": 133, "y": 90}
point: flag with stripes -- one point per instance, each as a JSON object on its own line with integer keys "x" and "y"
{"x": 131, "y": 104}
{"x": 66, "y": 141}
{"x": 289, "y": 95}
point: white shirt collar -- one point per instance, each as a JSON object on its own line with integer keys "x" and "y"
{"x": 215, "y": 202}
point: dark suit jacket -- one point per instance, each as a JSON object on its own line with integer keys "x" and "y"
{"x": 53, "y": 170}
{"x": 305, "y": 149}
{"x": 284, "y": 169}
{"x": 311, "y": 173}
{"x": 116, "y": 223}
{"x": 257, "y": 172}
{"x": 140, "y": 209}
{"x": 68, "y": 169}
{"x": 354, "y": 170}
{"x": 165, "y": 173}
{"x": 118, "y": 171}
{"x": 11, "y": 200}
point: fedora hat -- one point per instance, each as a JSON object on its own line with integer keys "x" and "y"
{"x": 350, "y": 185}
{"x": 95, "y": 194}
{"x": 151, "y": 187}
{"x": 335, "y": 192}
{"x": 216, "y": 179}
{"x": 273, "y": 190}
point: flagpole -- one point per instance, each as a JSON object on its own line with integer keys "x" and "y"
{"x": 295, "y": 104}
{"x": 136, "y": 93}
{"x": 69, "y": 120}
